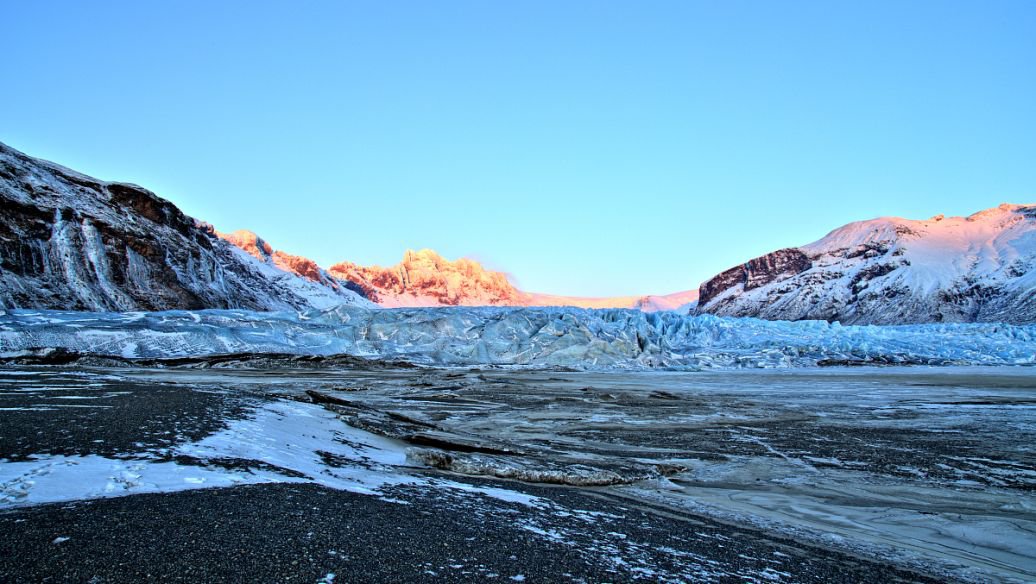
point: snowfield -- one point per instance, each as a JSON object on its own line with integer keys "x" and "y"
{"x": 506, "y": 336}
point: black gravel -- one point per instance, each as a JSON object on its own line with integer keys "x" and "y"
{"x": 116, "y": 417}
{"x": 305, "y": 532}
{"x": 302, "y": 533}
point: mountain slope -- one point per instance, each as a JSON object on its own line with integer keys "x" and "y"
{"x": 321, "y": 289}
{"x": 72, "y": 242}
{"x": 980, "y": 268}
{"x": 424, "y": 278}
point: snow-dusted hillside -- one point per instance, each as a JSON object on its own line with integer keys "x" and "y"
{"x": 537, "y": 337}
{"x": 296, "y": 273}
{"x": 980, "y": 268}
{"x": 69, "y": 241}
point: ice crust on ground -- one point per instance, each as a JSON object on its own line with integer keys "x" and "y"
{"x": 281, "y": 442}
{"x": 281, "y": 435}
{"x": 506, "y": 336}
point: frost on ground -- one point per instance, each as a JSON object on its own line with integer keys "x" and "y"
{"x": 283, "y": 441}
{"x": 570, "y": 337}
{"x": 288, "y": 441}
{"x": 927, "y": 468}
{"x": 291, "y": 441}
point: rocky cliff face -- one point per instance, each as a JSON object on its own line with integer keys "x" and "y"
{"x": 69, "y": 241}
{"x": 302, "y": 267}
{"x": 980, "y": 268}
{"x": 779, "y": 265}
{"x": 424, "y": 278}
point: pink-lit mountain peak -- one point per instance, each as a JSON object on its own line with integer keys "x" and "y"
{"x": 250, "y": 242}
{"x": 257, "y": 247}
{"x": 425, "y": 278}
{"x": 954, "y": 235}
{"x": 892, "y": 270}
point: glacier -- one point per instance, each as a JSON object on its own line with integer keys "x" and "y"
{"x": 516, "y": 336}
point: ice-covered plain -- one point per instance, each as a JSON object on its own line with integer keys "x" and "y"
{"x": 835, "y": 474}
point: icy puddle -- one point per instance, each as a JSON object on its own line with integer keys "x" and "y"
{"x": 929, "y": 469}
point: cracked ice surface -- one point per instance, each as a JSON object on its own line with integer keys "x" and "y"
{"x": 571, "y": 337}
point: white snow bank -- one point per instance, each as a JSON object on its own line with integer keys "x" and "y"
{"x": 282, "y": 442}
{"x": 286, "y": 436}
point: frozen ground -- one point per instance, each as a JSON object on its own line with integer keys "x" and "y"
{"x": 735, "y": 475}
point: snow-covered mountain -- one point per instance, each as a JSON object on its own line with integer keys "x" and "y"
{"x": 69, "y": 241}
{"x": 980, "y": 268}
{"x": 424, "y": 278}
{"x": 321, "y": 289}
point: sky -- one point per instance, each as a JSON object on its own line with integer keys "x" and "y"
{"x": 590, "y": 148}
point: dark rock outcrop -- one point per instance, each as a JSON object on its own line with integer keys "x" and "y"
{"x": 772, "y": 267}
{"x": 69, "y": 241}
{"x": 980, "y": 268}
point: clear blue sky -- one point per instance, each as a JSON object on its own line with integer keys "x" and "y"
{"x": 594, "y": 148}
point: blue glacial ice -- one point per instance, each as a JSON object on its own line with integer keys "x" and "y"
{"x": 537, "y": 337}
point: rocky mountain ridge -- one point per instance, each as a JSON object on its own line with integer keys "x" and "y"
{"x": 72, "y": 242}
{"x": 425, "y": 278}
{"x": 890, "y": 270}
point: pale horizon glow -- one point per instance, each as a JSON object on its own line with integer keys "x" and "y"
{"x": 585, "y": 148}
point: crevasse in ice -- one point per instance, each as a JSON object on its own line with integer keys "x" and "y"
{"x": 536, "y": 337}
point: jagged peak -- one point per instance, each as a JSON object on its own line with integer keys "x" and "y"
{"x": 249, "y": 242}
{"x": 424, "y": 277}
{"x": 423, "y": 253}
